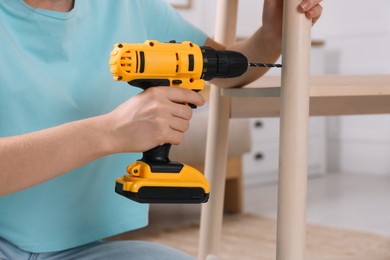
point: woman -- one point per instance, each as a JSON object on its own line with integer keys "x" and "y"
{"x": 67, "y": 130}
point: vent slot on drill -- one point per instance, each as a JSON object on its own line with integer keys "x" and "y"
{"x": 142, "y": 62}
{"x": 126, "y": 61}
{"x": 191, "y": 62}
{"x": 177, "y": 65}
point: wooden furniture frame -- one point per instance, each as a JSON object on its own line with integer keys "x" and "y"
{"x": 330, "y": 95}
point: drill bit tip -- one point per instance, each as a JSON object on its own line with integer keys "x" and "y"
{"x": 265, "y": 65}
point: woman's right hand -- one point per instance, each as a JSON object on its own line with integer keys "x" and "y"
{"x": 156, "y": 116}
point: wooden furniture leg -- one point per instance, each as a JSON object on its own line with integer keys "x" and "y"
{"x": 216, "y": 147}
{"x": 294, "y": 113}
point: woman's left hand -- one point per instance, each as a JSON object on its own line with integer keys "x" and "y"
{"x": 312, "y": 9}
{"x": 273, "y": 15}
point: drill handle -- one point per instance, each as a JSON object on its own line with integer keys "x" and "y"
{"x": 157, "y": 154}
{"x": 158, "y": 160}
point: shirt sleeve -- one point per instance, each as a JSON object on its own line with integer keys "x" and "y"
{"x": 164, "y": 23}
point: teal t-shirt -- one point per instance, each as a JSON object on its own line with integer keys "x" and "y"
{"x": 54, "y": 69}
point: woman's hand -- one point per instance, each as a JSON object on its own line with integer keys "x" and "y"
{"x": 273, "y": 14}
{"x": 312, "y": 9}
{"x": 156, "y": 116}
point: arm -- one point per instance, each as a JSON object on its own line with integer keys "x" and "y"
{"x": 151, "y": 118}
{"x": 266, "y": 43}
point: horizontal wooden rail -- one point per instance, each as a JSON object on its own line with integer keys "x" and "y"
{"x": 329, "y": 95}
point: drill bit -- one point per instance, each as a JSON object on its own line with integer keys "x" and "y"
{"x": 266, "y": 65}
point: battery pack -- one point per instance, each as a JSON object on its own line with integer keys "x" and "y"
{"x": 163, "y": 183}
{"x": 151, "y": 194}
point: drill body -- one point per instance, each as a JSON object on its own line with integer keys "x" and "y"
{"x": 154, "y": 178}
{"x": 184, "y": 65}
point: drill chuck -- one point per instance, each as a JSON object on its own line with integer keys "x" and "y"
{"x": 223, "y": 64}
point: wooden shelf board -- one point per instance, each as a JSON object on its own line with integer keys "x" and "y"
{"x": 329, "y": 95}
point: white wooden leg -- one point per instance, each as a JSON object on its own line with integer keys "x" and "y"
{"x": 292, "y": 188}
{"x": 215, "y": 171}
{"x": 217, "y": 140}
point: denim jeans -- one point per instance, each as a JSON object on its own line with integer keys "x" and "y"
{"x": 129, "y": 249}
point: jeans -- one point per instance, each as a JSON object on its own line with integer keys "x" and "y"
{"x": 129, "y": 249}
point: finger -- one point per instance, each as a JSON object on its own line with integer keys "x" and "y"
{"x": 176, "y": 137}
{"x": 181, "y": 111}
{"x": 179, "y": 125}
{"x": 307, "y": 5}
{"x": 185, "y": 96}
{"x": 314, "y": 13}
{"x": 168, "y": 130}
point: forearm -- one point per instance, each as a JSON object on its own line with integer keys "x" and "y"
{"x": 33, "y": 158}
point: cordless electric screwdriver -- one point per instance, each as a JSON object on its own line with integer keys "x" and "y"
{"x": 154, "y": 178}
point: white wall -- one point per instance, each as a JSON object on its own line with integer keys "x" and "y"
{"x": 357, "y": 35}
{"x": 203, "y": 11}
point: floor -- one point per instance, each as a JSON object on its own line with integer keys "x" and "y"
{"x": 341, "y": 200}
{"x": 350, "y": 201}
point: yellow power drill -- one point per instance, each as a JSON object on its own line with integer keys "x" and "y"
{"x": 154, "y": 178}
